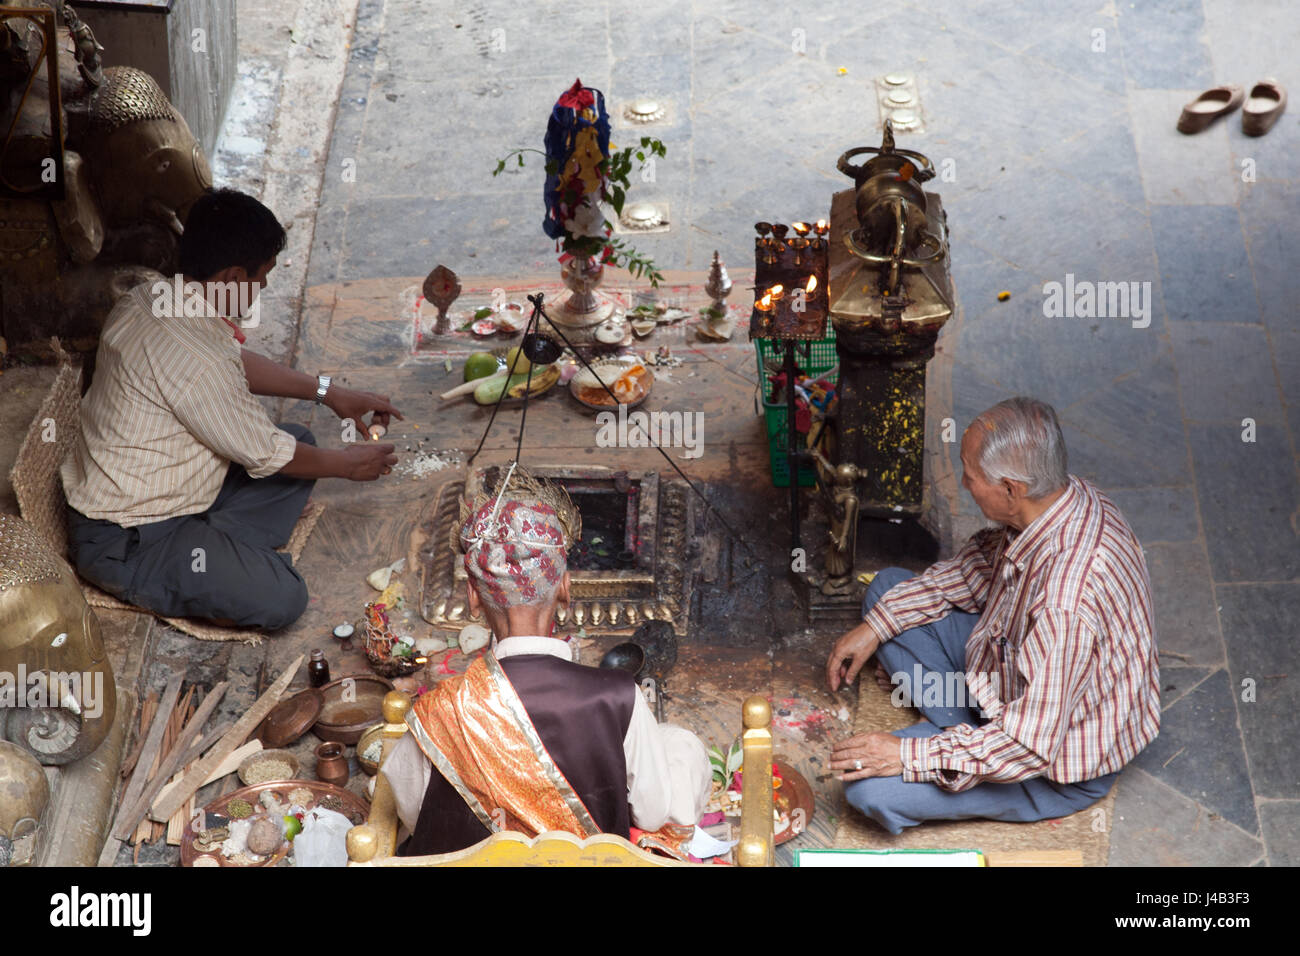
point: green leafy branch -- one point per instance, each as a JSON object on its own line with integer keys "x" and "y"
{"x": 518, "y": 154}
{"x": 617, "y": 170}
{"x": 637, "y": 263}
{"x": 725, "y": 764}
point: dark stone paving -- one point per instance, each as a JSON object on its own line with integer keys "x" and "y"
{"x": 1263, "y": 658}
{"x": 1199, "y": 752}
{"x": 1057, "y": 121}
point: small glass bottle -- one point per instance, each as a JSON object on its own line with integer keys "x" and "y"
{"x": 318, "y": 669}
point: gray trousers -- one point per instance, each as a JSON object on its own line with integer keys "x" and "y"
{"x": 940, "y": 647}
{"x": 218, "y": 565}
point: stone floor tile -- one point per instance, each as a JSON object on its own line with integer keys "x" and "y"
{"x": 1164, "y": 44}
{"x": 1159, "y": 514}
{"x": 1204, "y": 270}
{"x": 1129, "y": 432}
{"x": 1080, "y": 51}
{"x": 409, "y": 235}
{"x": 1186, "y": 622}
{"x": 1102, "y": 158}
{"x": 1281, "y": 825}
{"x": 1177, "y": 681}
{"x": 1274, "y": 244}
{"x": 1286, "y": 358}
{"x": 1248, "y": 496}
{"x": 1259, "y": 628}
{"x": 1204, "y": 352}
{"x": 1156, "y": 825}
{"x": 1177, "y": 169}
{"x": 1199, "y": 753}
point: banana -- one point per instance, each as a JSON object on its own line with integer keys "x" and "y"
{"x": 543, "y": 379}
{"x": 514, "y": 387}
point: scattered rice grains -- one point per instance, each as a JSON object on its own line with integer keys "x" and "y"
{"x": 426, "y": 462}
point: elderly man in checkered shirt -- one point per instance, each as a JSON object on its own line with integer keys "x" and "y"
{"x": 1031, "y": 653}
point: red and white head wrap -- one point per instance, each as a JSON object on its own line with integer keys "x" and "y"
{"x": 515, "y": 551}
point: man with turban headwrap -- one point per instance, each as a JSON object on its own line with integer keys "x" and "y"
{"x": 527, "y": 739}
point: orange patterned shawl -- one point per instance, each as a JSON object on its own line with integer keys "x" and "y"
{"x": 476, "y": 732}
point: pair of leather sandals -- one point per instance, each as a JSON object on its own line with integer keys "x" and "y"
{"x": 1262, "y": 108}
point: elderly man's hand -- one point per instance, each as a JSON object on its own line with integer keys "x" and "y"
{"x": 849, "y": 655}
{"x": 867, "y": 755}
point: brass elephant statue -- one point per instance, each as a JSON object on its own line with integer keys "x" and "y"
{"x": 97, "y": 175}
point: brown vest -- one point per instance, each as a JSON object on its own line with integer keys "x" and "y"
{"x": 582, "y": 715}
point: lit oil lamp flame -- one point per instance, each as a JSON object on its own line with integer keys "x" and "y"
{"x": 812, "y": 284}
{"x": 800, "y": 228}
{"x": 821, "y": 227}
{"x": 764, "y": 304}
{"x": 776, "y": 291}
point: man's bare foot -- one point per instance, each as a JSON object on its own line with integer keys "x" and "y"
{"x": 885, "y": 683}
{"x": 882, "y": 677}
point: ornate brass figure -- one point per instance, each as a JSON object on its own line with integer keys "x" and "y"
{"x": 24, "y": 795}
{"x": 441, "y": 289}
{"x": 126, "y": 169}
{"x": 57, "y": 696}
{"x": 890, "y": 293}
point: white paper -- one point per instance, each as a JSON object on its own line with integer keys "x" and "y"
{"x": 703, "y": 845}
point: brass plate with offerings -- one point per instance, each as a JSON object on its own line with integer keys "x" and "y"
{"x": 207, "y": 846}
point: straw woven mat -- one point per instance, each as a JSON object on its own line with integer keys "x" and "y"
{"x": 39, "y": 491}
{"x": 1075, "y": 832}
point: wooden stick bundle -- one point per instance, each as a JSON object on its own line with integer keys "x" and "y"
{"x": 162, "y": 809}
{"x": 175, "y": 758}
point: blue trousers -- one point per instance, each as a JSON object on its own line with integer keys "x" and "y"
{"x": 939, "y": 649}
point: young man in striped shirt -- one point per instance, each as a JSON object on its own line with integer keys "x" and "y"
{"x": 179, "y": 486}
{"x": 1031, "y": 653}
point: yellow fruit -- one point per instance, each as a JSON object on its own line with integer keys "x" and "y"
{"x": 516, "y": 362}
{"x": 542, "y": 380}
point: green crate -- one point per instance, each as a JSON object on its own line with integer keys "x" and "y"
{"x": 821, "y": 358}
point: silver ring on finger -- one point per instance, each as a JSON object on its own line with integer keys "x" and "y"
{"x": 857, "y": 765}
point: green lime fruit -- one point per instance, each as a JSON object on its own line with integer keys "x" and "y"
{"x": 292, "y": 827}
{"x": 480, "y": 365}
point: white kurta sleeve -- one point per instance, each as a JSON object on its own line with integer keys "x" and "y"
{"x": 668, "y": 772}
{"x": 407, "y": 770}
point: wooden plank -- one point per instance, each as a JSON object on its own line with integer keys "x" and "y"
{"x": 174, "y": 759}
{"x": 1034, "y": 858}
{"x": 211, "y": 737}
{"x": 147, "y": 831}
{"x": 147, "y": 756}
{"x": 163, "y": 809}
{"x": 147, "y": 710}
{"x": 227, "y": 766}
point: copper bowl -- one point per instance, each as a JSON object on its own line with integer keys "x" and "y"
{"x": 345, "y": 721}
